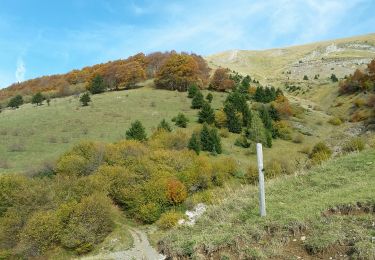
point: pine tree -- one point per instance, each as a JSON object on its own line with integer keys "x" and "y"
{"x": 136, "y": 131}
{"x": 37, "y": 99}
{"x": 206, "y": 114}
{"x": 85, "y": 99}
{"x": 266, "y": 119}
{"x": 180, "y": 120}
{"x": 259, "y": 94}
{"x": 233, "y": 121}
{"x": 334, "y": 78}
{"x": 207, "y": 143}
{"x": 274, "y": 114}
{"x": 197, "y": 101}
{"x": 48, "y": 101}
{"x": 209, "y": 97}
{"x": 256, "y": 131}
{"x": 16, "y": 101}
{"x": 268, "y": 138}
{"x": 246, "y": 81}
{"x": 246, "y": 116}
{"x": 192, "y": 90}
{"x": 97, "y": 85}
{"x": 164, "y": 125}
{"x": 194, "y": 143}
{"x": 217, "y": 149}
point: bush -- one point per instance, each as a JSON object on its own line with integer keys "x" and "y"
{"x": 88, "y": 224}
{"x": 251, "y": 175}
{"x": 305, "y": 77}
{"x": 180, "y": 120}
{"x": 242, "y": 141}
{"x": 354, "y": 144}
{"x": 298, "y": 138}
{"x": 148, "y": 213}
{"x": 335, "y": 121}
{"x": 224, "y": 133}
{"x": 169, "y": 219}
{"x": 41, "y": 232}
{"x": 320, "y": 152}
{"x": 176, "y": 192}
{"x": 16, "y": 101}
{"x": 220, "y": 119}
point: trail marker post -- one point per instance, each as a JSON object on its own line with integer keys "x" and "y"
{"x": 262, "y": 196}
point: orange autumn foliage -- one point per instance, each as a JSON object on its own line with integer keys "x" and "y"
{"x": 176, "y": 192}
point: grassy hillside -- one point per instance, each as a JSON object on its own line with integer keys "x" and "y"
{"x": 32, "y": 136}
{"x": 326, "y": 212}
{"x": 343, "y": 55}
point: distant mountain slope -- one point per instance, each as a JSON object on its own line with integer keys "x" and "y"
{"x": 341, "y": 57}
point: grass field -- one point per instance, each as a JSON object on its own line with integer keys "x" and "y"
{"x": 297, "y": 221}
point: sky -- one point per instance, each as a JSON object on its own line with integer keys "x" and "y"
{"x": 44, "y": 37}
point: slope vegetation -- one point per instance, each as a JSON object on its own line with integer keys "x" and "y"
{"x": 326, "y": 212}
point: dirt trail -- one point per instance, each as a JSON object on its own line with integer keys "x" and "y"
{"x": 141, "y": 250}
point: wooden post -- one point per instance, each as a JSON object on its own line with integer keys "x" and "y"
{"x": 262, "y": 196}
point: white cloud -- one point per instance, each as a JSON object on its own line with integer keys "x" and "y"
{"x": 20, "y": 71}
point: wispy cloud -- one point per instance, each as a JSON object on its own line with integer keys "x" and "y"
{"x": 116, "y": 29}
{"x": 20, "y": 71}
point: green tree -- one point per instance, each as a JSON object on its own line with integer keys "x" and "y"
{"x": 274, "y": 114}
{"x": 48, "y": 101}
{"x": 217, "y": 148}
{"x": 37, "y": 99}
{"x": 206, "y": 114}
{"x": 85, "y": 99}
{"x": 209, "y": 97}
{"x": 305, "y": 77}
{"x": 197, "y": 101}
{"x": 136, "y": 131}
{"x": 256, "y": 132}
{"x": 334, "y": 78}
{"x": 210, "y": 140}
{"x": 233, "y": 121}
{"x": 194, "y": 143}
{"x": 16, "y": 101}
{"x": 97, "y": 85}
{"x": 206, "y": 140}
{"x": 164, "y": 125}
{"x": 180, "y": 120}
{"x": 192, "y": 90}
{"x": 266, "y": 118}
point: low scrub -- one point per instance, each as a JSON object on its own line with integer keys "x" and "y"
{"x": 353, "y": 145}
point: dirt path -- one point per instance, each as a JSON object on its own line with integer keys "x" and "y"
{"x": 141, "y": 250}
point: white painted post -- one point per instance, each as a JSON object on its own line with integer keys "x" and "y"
{"x": 262, "y": 196}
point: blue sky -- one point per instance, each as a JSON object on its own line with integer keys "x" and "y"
{"x": 48, "y": 37}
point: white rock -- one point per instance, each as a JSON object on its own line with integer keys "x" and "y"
{"x": 303, "y": 238}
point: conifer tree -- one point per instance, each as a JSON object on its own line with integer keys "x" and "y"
{"x": 192, "y": 90}
{"x": 217, "y": 149}
{"x": 206, "y": 114}
{"x": 268, "y": 138}
{"x": 194, "y": 143}
{"x": 136, "y": 131}
{"x": 233, "y": 121}
{"x": 164, "y": 125}
{"x": 256, "y": 131}
{"x": 207, "y": 143}
{"x": 97, "y": 85}
{"x": 180, "y": 120}
{"x": 197, "y": 101}
{"x": 266, "y": 119}
{"x": 259, "y": 94}
{"x": 209, "y": 97}
{"x": 85, "y": 99}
